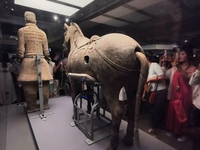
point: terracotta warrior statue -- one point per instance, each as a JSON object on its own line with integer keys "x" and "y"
{"x": 33, "y": 41}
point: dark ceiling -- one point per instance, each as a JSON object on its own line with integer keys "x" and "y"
{"x": 147, "y": 21}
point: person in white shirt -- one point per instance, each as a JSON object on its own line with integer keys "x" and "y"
{"x": 158, "y": 108}
{"x": 195, "y": 83}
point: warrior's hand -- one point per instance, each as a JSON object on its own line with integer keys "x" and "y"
{"x": 18, "y": 60}
{"x": 48, "y": 59}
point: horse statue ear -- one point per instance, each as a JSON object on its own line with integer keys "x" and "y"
{"x": 66, "y": 26}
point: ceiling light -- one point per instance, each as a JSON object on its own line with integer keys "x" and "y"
{"x": 12, "y": 9}
{"x": 55, "y": 17}
{"x": 79, "y": 3}
{"x": 67, "y": 20}
{"x": 48, "y": 6}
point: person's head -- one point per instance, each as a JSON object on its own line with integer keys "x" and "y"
{"x": 174, "y": 51}
{"x": 150, "y": 58}
{"x": 170, "y": 57}
{"x": 56, "y": 57}
{"x": 29, "y": 17}
{"x": 186, "y": 53}
{"x": 197, "y": 55}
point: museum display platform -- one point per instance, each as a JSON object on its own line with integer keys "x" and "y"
{"x": 15, "y": 129}
{"x": 55, "y": 132}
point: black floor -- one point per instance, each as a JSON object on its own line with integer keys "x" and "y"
{"x": 172, "y": 141}
{"x": 161, "y": 135}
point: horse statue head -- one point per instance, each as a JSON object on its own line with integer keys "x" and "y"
{"x": 72, "y": 34}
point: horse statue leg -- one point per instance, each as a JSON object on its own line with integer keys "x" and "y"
{"x": 89, "y": 99}
{"x": 134, "y": 101}
{"x": 128, "y": 138}
{"x": 117, "y": 110}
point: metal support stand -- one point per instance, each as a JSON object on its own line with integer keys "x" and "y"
{"x": 95, "y": 120}
{"x": 40, "y": 87}
{"x": 42, "y": 115}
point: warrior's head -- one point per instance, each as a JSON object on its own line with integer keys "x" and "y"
{"x": 29, "y": 17}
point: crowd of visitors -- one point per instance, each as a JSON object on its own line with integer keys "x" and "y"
{"x": 7, "y": 89}
{"x": 11, "y": 90}
{"x": 176, "y": 81}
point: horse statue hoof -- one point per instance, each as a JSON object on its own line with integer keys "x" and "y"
{"x": 32, "y": 110}
{"x": 128, "y": 141}
{"x": 110, "y": 148}
{"x": 46, "y": 107}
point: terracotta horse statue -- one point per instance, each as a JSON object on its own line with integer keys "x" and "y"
{"x": 116, "y": 61}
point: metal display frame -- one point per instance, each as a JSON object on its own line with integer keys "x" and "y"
{"x": 96, "y": 119}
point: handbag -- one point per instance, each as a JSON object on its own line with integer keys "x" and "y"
{"x": 152, "y": 97}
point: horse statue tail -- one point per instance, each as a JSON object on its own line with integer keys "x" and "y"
{"x": 142, "y": 80}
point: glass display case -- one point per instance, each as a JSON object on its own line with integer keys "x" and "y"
{"x": 157, "y": 25}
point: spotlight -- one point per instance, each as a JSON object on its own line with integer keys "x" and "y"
{"x": 55, "y": 17}
{"x": 67, "y": 20}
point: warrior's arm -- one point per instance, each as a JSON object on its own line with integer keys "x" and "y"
{"x": 21, "y": 44}
{"x": 45, "y": 46}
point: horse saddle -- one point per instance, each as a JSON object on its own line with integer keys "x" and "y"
{"x": 85, "y": 41}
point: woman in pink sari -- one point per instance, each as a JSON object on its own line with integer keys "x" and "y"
{"x": 180, "y": 94}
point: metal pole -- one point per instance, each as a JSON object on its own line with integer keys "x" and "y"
{"x": 40, "y": 86}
